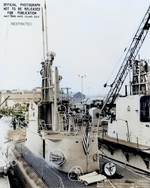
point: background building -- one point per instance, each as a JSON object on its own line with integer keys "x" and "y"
{"x": 78, "y": 95}
{"x": 21, "y": 97}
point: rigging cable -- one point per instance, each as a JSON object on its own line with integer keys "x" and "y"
{"x": 116, "y": 65}
{"x": 4, "y": 58}
{"x": 5, "y": 49}
{"x": 122, "y": 54}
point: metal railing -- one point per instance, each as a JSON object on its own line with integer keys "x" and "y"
{"x": 42, "y": 169}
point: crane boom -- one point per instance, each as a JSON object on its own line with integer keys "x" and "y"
{"x": 5, "y": 100}
{"x": 128, "y": 60}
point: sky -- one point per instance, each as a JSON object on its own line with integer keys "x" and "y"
{"x": 88, "y": 37}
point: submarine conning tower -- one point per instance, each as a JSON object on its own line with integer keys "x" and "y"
{"x": 50, "y": 91}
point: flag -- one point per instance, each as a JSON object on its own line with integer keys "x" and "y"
{"x": 85, "y": 140}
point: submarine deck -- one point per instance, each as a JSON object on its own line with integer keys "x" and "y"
{"x": 51, "y": 176}
{"x": 105, "y": 137}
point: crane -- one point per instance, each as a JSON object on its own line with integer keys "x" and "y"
{"x": 127, "y": 62}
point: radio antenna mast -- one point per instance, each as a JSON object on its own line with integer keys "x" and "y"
{"x": 46, "y": 26}
{"x": 43, "y": 34}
